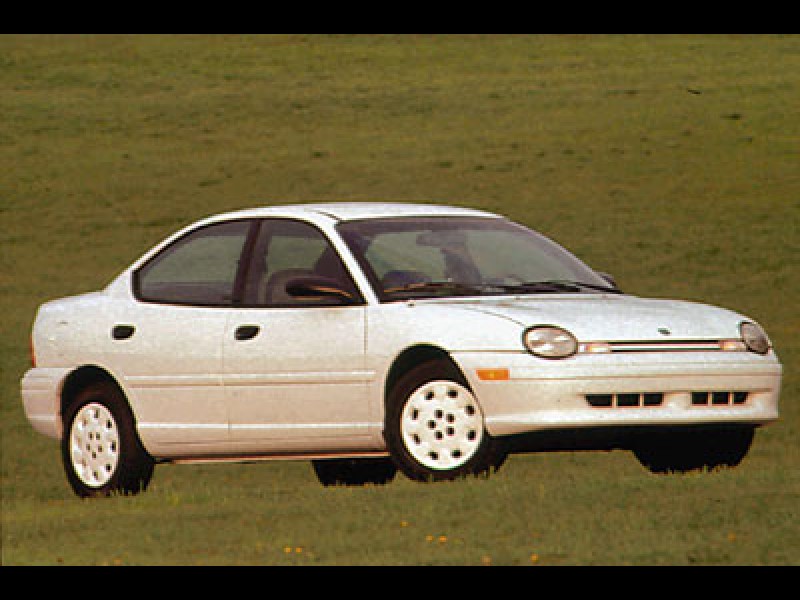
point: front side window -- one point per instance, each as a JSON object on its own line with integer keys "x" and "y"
{"x": 199, "y": 269}
{"x": 288, "y": 249}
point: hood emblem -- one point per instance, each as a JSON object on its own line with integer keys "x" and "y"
{"x": 664, "y": 331}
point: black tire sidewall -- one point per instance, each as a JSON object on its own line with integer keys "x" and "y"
{"x": 694, "y": 449}
{"x": 354, "y": 472}
{"x": 134, "y": 467}
{"x": 481, "y": 460}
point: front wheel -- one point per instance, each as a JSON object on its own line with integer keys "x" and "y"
{"x": 434, "y": 426}
{"x": 694, "y": 449}
{"x": 100, "y": 448}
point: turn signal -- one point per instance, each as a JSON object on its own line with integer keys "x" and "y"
{"x": 732, "y": 346}
{"x": 32, "y": 352}
{"x": 492, "y": 374}
{"x": 594, "y": 348}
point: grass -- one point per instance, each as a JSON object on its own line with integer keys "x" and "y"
{"x": 670, "y": 161}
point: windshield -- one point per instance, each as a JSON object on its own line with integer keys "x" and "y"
{"x": 432, "y": 257}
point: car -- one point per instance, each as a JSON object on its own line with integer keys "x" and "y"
{"x": 369, "y": 338}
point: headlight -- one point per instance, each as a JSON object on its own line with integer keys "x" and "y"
{"x": 550, "y": 342}
{"x": 754, "y": 337}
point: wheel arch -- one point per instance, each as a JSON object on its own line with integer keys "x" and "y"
{"x": 412, "y": 357}
{"x": 78, "y": 379}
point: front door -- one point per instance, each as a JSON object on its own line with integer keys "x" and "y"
{"x": 294, "y": 369}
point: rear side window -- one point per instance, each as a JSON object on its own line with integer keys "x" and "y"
{"x": 198, "y": 269}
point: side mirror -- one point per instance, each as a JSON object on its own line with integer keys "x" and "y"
{"x": 311, "y": 288}
{"x": 609, "y": 278}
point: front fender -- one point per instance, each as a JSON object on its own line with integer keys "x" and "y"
{"x": 395, "y": 326}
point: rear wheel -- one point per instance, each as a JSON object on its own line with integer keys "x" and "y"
{"x": 100, "y": 448}
{"x": 694, "y": 449}
{"x": 434, "y": 426}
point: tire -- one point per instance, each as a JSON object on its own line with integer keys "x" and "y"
{"x": 434, "y": 426}
{"x": 353, "y": 472}
{"x": 100, "y": 449}
{"x": 694, "y": 449}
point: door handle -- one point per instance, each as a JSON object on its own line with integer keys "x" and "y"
{"x": 122, "y": 332}
{"x": 246, "y": 332}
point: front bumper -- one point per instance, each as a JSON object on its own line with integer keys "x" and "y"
{"x": 601, "y": 390}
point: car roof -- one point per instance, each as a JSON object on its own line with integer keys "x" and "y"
{"x": 350, "y": 211}
{"x": 321, "y": 213}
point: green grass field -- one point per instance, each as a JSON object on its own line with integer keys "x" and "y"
{"x": 672, "y": 162}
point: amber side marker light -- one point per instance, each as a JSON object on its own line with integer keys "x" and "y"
{"x": 32, "y": 352}
{"x": 492, "y": 374}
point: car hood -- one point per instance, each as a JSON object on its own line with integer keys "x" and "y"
{"x": 596, "y": 317}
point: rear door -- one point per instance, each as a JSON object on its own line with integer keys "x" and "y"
{"x": 168, "y": 344}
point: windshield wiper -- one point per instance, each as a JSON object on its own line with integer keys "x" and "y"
{"x": 456, "y": 286}
{"x": 561, "y": 285}
{"x": 553, "y": 285}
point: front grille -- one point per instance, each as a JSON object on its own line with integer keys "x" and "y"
{"x": 718, "y": 398}
{"x": 624, "y": 400}
{"x": 667, "y": 346}
{"x": 656, "y": 399}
